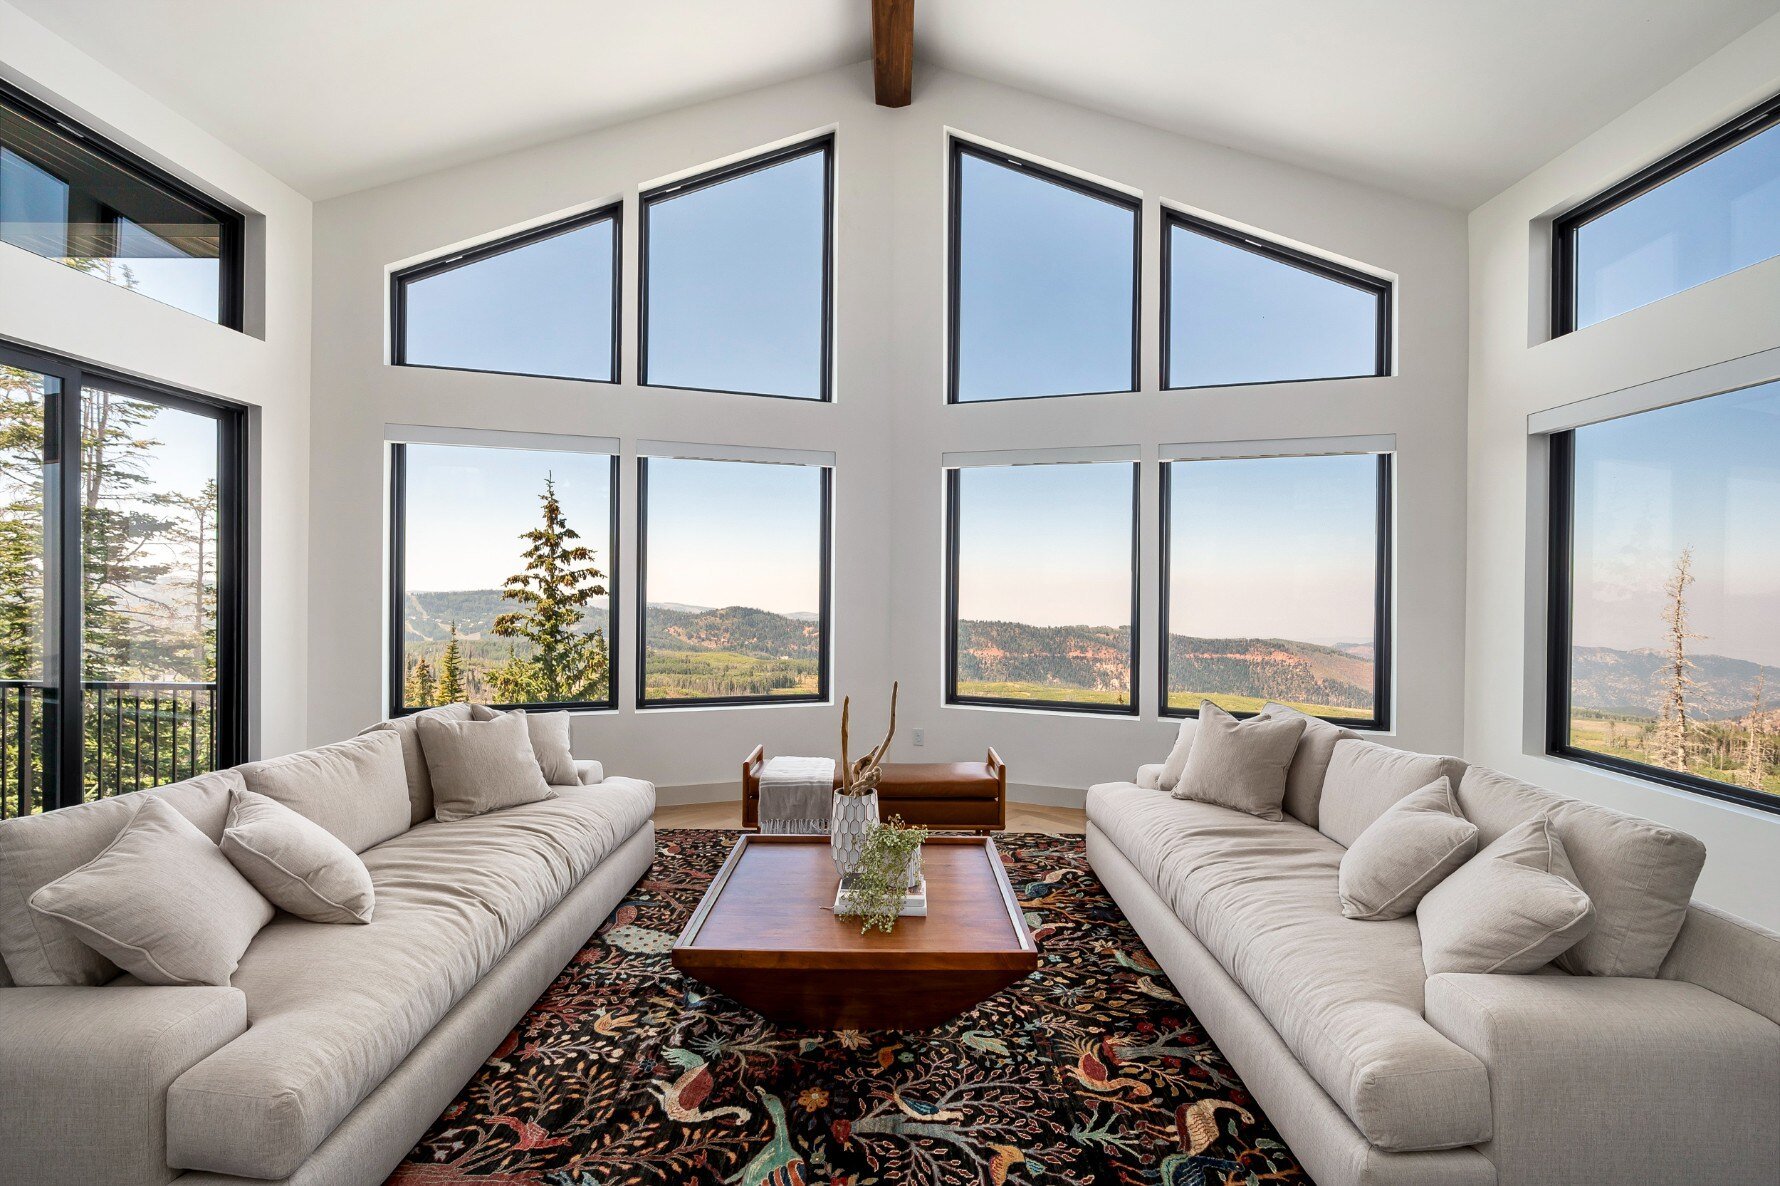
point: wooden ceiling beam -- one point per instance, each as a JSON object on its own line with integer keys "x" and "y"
{"x": 893, "y": 50}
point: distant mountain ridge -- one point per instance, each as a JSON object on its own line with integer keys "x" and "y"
{"x": 428, "y": 617}
{"x": 1632, "y": 683}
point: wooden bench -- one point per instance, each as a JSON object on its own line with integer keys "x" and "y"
{"x": 953, "y": 796}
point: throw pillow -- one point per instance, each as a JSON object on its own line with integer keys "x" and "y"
{"x": 1514, "y": 907}
{"x": 1176, "y": 763}
{"x": 549, "y": 732}
{"x": 1240, "y": 764}
{"x": 1304, "y": 781}
{"x": 162, "y": 902}
{"x": 296, "y": 863}
{"x": 481, "y": 766}
{"x": 1404, "y": 853}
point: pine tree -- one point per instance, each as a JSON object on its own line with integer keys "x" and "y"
{"x": 417, "y": 692}
{"x": 1755, "y": 766}
{"x": 560, "y": 580}
{"x": 117, "y": 533}
{"x": 21, "y": 524}
{"x": 1671, "y": 748}
{"x": 451, "y": 671}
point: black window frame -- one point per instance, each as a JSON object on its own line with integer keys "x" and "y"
{"x": 957, "y": 149}
{"x": 953, "y": 541}
{"x": 1751, "y": 123}
{"x": 824, "y": 144}
{"x": 452, "y": 261}
{"x": 1380, "y": 289}
{"x": 64, "y": 577}
{"x": 825, "y": 613}
{"x": 396, "y": 669}
{"x": 1384, "y": 559}
{"x": 231, "y": 223}
{"x": 1559, "y": 605}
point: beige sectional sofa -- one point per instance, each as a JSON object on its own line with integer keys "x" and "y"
{"x": 333, "y": 1047}
{"x": 1375, "y": 1072}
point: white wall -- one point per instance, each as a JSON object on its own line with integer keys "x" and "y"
{"x": 1516, "y": 371}
{"x": 54, "y": 308}
{"x": 889, "y": 423}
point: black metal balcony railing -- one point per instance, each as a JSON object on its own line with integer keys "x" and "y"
{"x": 136, "y": 734}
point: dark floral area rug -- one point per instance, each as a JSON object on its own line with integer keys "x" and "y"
{"x": 1090, "y": 1071}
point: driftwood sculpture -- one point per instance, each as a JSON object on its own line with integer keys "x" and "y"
{"x": 861, "y": 777}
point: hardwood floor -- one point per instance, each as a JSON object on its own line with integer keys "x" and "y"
{"x": 1021, "y": 817}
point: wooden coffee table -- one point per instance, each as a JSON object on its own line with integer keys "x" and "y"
{"x": 766, "y": 935}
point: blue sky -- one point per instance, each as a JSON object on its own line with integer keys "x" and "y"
{"x": 1048, "y": 545}
{"x": 1719, "y": 216}
{"x": 1235, "y": 316}
{"x": 1045, "y": 277}
{"x": 735, "y": 533}
{"x": 1278, "y": 547}
{"x": 735, "y": 283}
{"x": 1705, "y": 474}
{"x": 542, "y": 309}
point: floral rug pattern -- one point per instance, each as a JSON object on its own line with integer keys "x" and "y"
{"x": 1090, "y": 1072}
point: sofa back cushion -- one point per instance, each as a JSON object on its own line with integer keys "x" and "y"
{"x": 38, "y": 849}
{"x": 1304, "y": 781}
{"x": 356, "y": 789}
{"x": 1366, "y": 779}
{"x": 420, "y": 782}
{"x": 1638, "y": 874}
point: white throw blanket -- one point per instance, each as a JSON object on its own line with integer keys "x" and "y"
{"x": 796, "y": 795}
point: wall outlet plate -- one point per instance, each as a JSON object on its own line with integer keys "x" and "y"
{"x": 920, "y": 737}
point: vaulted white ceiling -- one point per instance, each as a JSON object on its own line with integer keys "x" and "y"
{"x": 1451, "y": 100}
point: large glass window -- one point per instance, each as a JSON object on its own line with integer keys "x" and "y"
{"x": 503, "y": 576}
{"x": 1666, "y": 598}
{"x": 544, "y": 302}
{"x": 121, "y": 621}
{"x": 74, "y": 197}
{"x": 1705, "y": 211}
{"x": 1044, "y": 281}
{"x": 1238, "y": 309}
{"x": 1275, "y": 571}
{"x": 736, "y": 275}
{"x": 1043, "y": 581}
{"x": 733, "y": 565}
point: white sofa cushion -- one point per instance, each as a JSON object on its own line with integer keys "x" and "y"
{"x": 1407, "y": 851}
{"x": 356, "y": 789}
{"x": 1345, "y": 996}
{"x": 37, "y": 849}
{"x": 1310, "y": 765}
{"x": 1240, "y": 764}
{"x": 420, "y": 783}
{"x": 1638, "y": 874}
{"x": 1365, "y": 778}
{"x": 336, "y": 1009}
{"x": 1168, "y": 775}
{"x": 481, "y": 766}
{"x": 549, "y": 733}
{"x": 1512, "y": 908}
{"x": 298, "y": 865}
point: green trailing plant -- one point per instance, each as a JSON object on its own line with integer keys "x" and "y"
{"x": 880, "y": 881}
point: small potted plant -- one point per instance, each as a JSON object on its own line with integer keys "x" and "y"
{"x": 889, "y": 866}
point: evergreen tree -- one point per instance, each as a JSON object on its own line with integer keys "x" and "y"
{"x": 418, "y": 691}
{"x": 118, "y": 532}
{"x": 21, "y": 524}
{"x": 1673, "y": 743}
{"x": 560, "y": 580}
{"x": 451, "y": 671}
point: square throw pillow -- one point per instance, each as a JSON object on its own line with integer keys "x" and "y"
{"x": 162, "y": 902}
{"x": 549, "y": 732}
{"x": 1240, "y": 764}
{"x": 297, "y": 864}
{"x": 1514, "y": 907}
{"x": 1176, "y": 762}
{"x": 1404, "y": 853}
{"x": 481, "y": 766}
{"x": 1310, "y": 765}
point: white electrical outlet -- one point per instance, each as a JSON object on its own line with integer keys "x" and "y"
{"x": 920, "y": 737}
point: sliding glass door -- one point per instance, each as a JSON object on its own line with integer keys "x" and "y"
{"x": 120, "y": 585}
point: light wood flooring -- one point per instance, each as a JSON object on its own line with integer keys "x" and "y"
{"x": 1021, "y": 817}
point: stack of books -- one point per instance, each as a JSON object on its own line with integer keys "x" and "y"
{"x": 914, "y": 903}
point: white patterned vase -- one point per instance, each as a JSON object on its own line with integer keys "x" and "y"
{"x": 849, "y": 822}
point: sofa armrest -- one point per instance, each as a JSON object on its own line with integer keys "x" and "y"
{"x": 588, "y": 772}
{"x": 85, "y": 1071}
{"x": 1150, "y": 777}
{"x": 1599, "y": 1079}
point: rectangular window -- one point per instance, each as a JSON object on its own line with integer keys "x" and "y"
{"x": 1042, "y": 585}
{"x": 737, "y": 277}
{"x": 1275, "y": 580}
{"x": 1700, "y": 213}
{"x": 1044, "y": 281}
{"x": 733, "y": 567}
{"x": 1237, "y": 309}
{"x": 502, "y": 576}
{"x": 122, "y": 615}
{"x": 1665, "y": 597}
{"x": 543, "y": 302}
{"x": 69, "y": 195}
